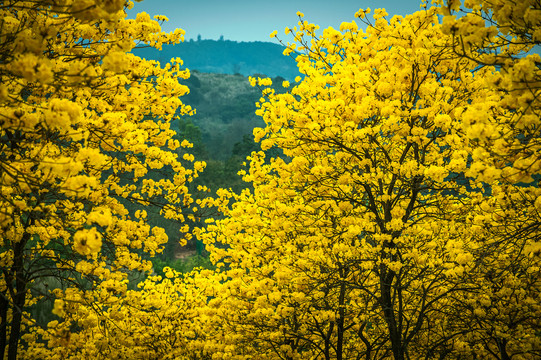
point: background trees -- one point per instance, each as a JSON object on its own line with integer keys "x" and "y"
{"x": 75, "y": 148}
{"x": 228, "y": 57}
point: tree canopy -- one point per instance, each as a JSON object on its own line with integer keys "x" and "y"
{"x": 374, "y": 236}
{"x": 392, "y": 213}
{"x": 84, "y": 125}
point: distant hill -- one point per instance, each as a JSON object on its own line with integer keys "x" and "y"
{"x": 225, "y": 111}
{"x": 227, "y": 57}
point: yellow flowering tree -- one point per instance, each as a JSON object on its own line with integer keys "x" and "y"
{"x": 505, "y": 133}
{"x": 162, "y": 319}
{"x": 83, "y": 126}
{"x": 393, "y": 224}
{"x": 372, "y": 236}
{"x": 503, "y": 34}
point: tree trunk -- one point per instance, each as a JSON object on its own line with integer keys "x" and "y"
{"x": 19, "y": 296}
{"x": 502, "y": 345}
{"x": 16, "y": 321}
{"x": 4, "y": 303}
{"x": 340, "y": 320}
{"x": 386, "y": 278}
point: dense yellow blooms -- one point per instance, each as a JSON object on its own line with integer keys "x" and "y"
{"x": 505, "y": 131}
{"x": 399, "y": 218}
{"x": 85, "y": 125}
{"x": 378, "y": 232}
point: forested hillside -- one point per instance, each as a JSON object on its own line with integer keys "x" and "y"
{"x": 221, "y": 132}
{"x": 225, "y": 109}
{"x": 383, "y": 205}
{"x": 227, "y": 57}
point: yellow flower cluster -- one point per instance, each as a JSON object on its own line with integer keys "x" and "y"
{"x": 85, "y": 126}
{"x": 87, "y": 242}
{"x": 378, "y": 208}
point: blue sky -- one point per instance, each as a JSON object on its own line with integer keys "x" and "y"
{"x": 254, "y": 20}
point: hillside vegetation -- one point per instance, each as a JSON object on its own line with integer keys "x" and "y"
{"x": 225, "y": 110}
{"x": 227, "y": 57}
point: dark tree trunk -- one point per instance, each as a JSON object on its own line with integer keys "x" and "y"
{"x": 502, "y": 346}
{"x": 19, "y": 296}
{"x": 386, "y": 279}
{"x": 340, "y": 321}
{"x": 4, "y": 303}
{"x": 15, "y": 333}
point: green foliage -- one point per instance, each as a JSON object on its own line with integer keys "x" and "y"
{"x": 227, "y": 57}
{"x": 182, "y": 265}
{"x": 221, "y": 131}
{"x": 187, "y": 130}
{"x": 226, "y": 106}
